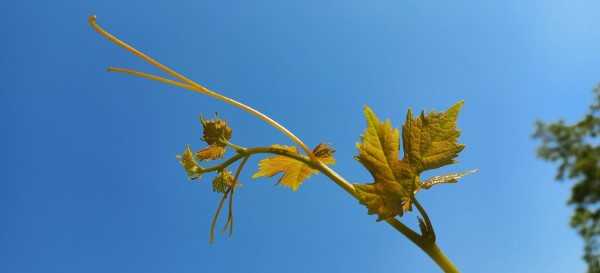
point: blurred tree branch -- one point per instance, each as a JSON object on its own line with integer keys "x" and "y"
{"x": 577, "y": 150}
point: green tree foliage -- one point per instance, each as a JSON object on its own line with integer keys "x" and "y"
{"x": 577, "y": 150}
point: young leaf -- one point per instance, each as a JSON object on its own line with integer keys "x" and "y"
{"x": 211, "y": 152}
{"x": 445, "y": 178}
{"x": 190, "y": 165}
{"x": 294, "y": 171}
{"x": 324, "y": 154}
{"x": 216, "y": 132}
{"x": 223, "y": 180}
{"x": 429, "y": 142}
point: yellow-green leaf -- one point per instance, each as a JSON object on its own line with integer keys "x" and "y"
{"x": 190, "y": 165}
{"x": 430, "y": 141}
{"x": 215, "y": 132}
{"x": 211, "y": 152}
{"x": 378, "y": 152}
{"x": 324, "y": 153}
{"x": 294, "y": 171}
{"x": 223, "y": 180}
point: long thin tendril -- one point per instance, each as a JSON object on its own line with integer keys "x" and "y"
{"x": 152, "y": 77}
{"x": 232, "y": 186}
{"x": 212, "y": 227}
{"x": 199, "y": 88}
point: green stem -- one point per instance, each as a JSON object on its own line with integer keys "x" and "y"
{"x": 246, "y": 152}
{"x": 434, "y": 252}
{"x": 428, "y": 246}
{"x": 424, "y": 243}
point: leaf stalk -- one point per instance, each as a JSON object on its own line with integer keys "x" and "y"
{"x": 430, "y": 232}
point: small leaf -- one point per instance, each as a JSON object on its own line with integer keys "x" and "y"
{"x": 211, "y": 152}
{"x": 223, "y": 180}
{"x": 445, "y": 178}
{"x": 190, "y": 165}
{"x": 219, "y": 183}
{"x": 294, "y": 171}
{"x": 324, "y": 154}
{"x": 216, "y": 132}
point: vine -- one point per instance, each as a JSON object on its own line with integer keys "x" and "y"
{"x": 429, "y": 141}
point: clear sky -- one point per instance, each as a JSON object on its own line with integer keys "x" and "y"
{"x": 90, "y": 182}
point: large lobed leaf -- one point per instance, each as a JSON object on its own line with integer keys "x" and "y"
{"x": 430, "y": 141}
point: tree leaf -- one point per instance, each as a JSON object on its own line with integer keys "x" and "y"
{"x": 294, "y": 171}
{"x": 429, "y": 142}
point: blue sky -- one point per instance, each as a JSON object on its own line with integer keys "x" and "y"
{"x": 90, "y": 182}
